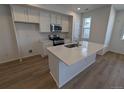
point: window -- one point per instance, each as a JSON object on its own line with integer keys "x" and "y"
{"x": 122, "y": 34}
{"x": 123, "y": 37}
{"x": 86, "y": 28}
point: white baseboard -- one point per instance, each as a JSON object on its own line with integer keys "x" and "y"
{"x": 117, "y": 52}
{"x": 13, "y": 59}
{"x": 9, "y": 60}
{"x": 103, "y": 51}
{"x": 30, "y": 55}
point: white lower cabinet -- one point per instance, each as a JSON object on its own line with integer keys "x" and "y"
{"x": 44, "y": 46}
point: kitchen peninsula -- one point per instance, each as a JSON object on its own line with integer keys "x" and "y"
{"x": 65, "y": 63}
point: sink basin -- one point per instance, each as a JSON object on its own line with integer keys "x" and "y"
{"x": 71, "y": 45}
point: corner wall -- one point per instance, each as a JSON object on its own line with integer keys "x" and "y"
{"x": 116, "y": 44}
{"x": 111, "y": 22}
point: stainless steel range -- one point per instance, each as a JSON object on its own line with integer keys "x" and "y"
{"x": 55, "y": 34}
{"x": 56, "y": 40}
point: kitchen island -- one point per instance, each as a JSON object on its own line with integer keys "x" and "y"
{"x": 65, "y": 63}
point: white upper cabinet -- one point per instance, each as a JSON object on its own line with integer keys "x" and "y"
{"x": 62, "y": 20}
{"x": 44, "y": 18}
{"x": 44, "y": 21}
{"x": 53, "y": 18}
{"x": 65, "y": 24}
{"x": 25, "y": 14}
{"x": 33, "y": 15}
{"x": 59, "y": 20}
{"x": 19, "y": 13}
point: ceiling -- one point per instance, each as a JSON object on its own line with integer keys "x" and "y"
{"x": 83, "y": 7}
{"x": 73, "y": 7}
{"x": 119, "y": 6}
{"x": 70, "y": 7}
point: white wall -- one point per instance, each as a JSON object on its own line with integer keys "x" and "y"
{"x": 99, "y": 23}
{"x": 8, "y": 48}
{"x": 28, "y": 37}
{"x": 116, "y": 44}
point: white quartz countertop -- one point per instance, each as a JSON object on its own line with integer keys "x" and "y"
{"x": 72, "y": 55}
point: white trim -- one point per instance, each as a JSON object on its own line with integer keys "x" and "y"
{"x": 54, "y": 79}
{"x": 30, "y": 55}
{"x": 18, "y": 58}
{"x": 9, "y": 60}
{"x": 115, "y": 51}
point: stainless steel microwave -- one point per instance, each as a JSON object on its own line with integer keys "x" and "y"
{"x": 55, "y": 28}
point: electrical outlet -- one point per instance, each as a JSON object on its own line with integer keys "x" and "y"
{"x": 30, "y": 51}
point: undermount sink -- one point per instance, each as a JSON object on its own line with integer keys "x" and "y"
{"x": 71, "y": 45}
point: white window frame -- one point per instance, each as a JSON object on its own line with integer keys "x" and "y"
{"x": 122, "y": 35}
{"x": 86, "y": 28}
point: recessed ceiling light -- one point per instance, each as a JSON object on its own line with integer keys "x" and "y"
{"x": 78, "y": 9}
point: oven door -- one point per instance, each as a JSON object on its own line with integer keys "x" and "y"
{"x": 58, "y": 42}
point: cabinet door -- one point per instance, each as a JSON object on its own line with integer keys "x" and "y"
{"x": 65, "y": 24}
{"x": 19, "y": 13}
{"x": 33, "y": 15}
{"x": 59, "y": 20}
{"x": 44, "y": 21}
{"x": 53, "y": 18}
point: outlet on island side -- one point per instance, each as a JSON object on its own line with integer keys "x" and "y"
{"x": 30, "y": 51}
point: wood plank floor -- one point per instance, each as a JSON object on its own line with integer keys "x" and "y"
{"x": 33, "y": 73}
